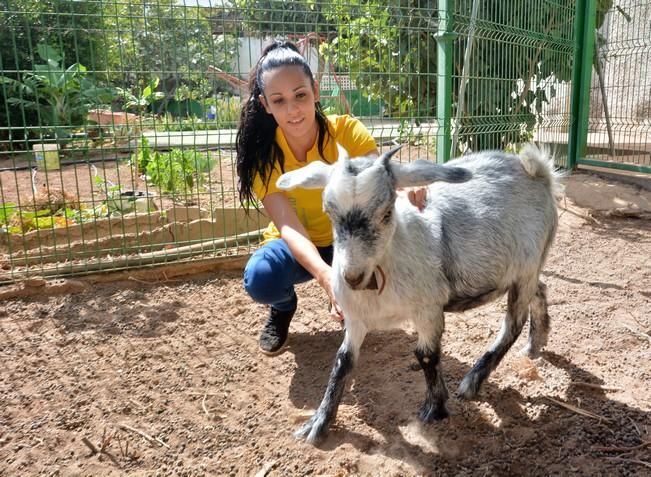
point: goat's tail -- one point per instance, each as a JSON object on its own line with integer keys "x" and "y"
{"x": 539, "y": 162}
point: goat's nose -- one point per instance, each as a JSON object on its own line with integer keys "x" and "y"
{"x": 354, "y": 280}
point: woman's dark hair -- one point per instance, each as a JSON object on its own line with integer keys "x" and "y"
{"x": 255, "y": 143}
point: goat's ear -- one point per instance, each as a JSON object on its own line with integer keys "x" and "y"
{"x": 343, "y": 153}
{"x": 313, "y": 176}
{"x": 422, "y": 172}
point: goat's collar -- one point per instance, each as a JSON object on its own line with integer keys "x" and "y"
{"x": 372, "y": 283}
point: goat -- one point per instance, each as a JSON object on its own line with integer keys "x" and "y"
{"x": 485, "y": 231}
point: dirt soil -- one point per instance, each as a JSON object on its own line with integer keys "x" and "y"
{"x": 164, "y": 377}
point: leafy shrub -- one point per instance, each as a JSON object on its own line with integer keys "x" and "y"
{"x": 61, "y": 96}
{"x": 140, "y": 99}
{"x": 227, "y": 115}
{"x": 177, "y": 171}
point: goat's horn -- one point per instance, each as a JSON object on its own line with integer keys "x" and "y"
{"x": 385, "y": 157}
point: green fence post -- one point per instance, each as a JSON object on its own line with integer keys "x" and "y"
{"x": 584, "y": 26}
{"x": 445, "y": 38}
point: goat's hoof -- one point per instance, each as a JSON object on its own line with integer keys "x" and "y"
{"x": 430, "y": 413}
{"x": 313, "y": 431}
{"x": 468, "y": 389}
{"x": 530, "y": 352}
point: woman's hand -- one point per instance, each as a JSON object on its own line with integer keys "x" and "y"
{"x": 417, "y": 196}
{"x": 325, "y": 280}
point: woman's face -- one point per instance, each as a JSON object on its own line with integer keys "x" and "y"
{"x": 289, "y": 97}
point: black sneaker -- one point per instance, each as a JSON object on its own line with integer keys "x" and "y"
{"x": 274, "y": 334}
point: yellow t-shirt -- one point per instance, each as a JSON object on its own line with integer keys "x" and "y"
{"x": 353, "y": 136}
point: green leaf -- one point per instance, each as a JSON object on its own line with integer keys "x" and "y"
{"x": 47, "y": 53}
{"x": 76, "y": 68}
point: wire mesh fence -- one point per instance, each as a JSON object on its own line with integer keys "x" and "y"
{"x": 619, "y": 128}
{"x": 118, "y": 118}
{"x": 513, "y": 62}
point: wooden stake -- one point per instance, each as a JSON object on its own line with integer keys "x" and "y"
{"x": 90, "y": 445}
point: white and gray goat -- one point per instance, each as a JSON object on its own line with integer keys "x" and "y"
{"x": 489, "y": 221}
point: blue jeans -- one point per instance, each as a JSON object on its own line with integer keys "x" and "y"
{"x": 272, "y": 271}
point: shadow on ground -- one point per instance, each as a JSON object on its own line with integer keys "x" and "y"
{"x": 386, "y": 395}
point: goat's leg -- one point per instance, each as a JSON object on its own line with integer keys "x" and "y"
{"x": 317, "y": 426}
{"x": 538, "y": 323}
{"x": 428, "y": 353}
{"x": 520, "y": 295}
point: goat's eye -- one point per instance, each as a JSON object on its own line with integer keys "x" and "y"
{"x": 387, "y": 216}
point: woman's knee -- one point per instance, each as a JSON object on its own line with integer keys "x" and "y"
{"x": 257, "y": 282}
{"x": 264, "y": 277}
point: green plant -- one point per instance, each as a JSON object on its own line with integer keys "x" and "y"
{"x": 26, "y": 23}
{"x": 227, "y": 110}
{"x": 176, "y": 171}
{"x": 195, "y": 92}
{"x": 142, "y": 98}
{"x": 60, "y": 96}
{"x": 179, "y": 170}
{"x": 143, "y": 155}
{"x": 333, "y": 106}
{"x": 172, "y": 171}
{"x": 13, "y": 220}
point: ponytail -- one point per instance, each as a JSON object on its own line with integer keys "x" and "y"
{"x": 255, "y": 143}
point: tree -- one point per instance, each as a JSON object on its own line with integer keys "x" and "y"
{"x": 125, "y": 43}
{"x": 165, "y": 39}
{"x": 389, "y": 52}
{"x": 282, "y": 17}
{"x": 68, "y": 26}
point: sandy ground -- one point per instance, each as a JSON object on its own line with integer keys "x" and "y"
{"x": 164, "y": 378}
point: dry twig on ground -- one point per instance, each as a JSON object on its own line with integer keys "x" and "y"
{"x": 596, "y": 386}
{"x": 622, "y": 449}
{"x": 203, "y": 405}
{"x": 149, "y": 438}
{"x": 633, "y": 461}
{"x": 578, "y": 410}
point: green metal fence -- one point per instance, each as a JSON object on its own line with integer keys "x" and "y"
{"x": 118, "y": 117}
{"x": 617, "y": 89}
{"x": 512, "y": 63}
